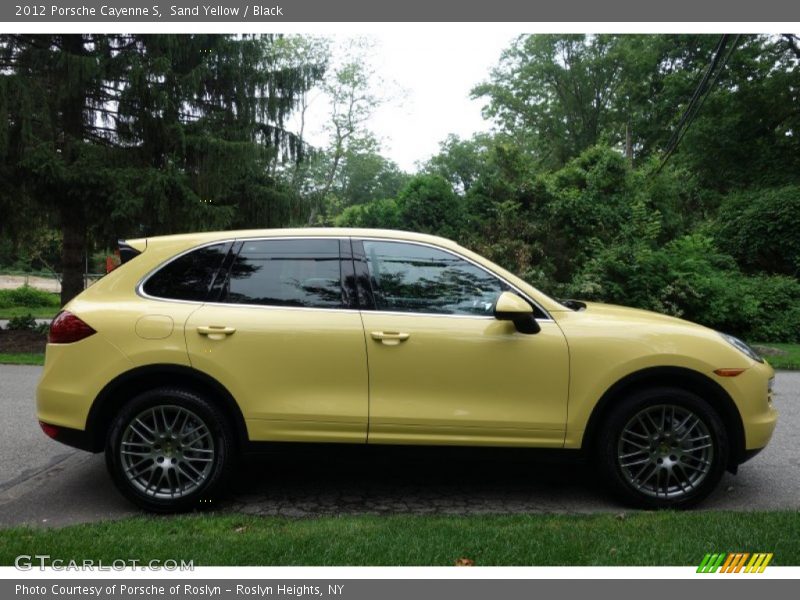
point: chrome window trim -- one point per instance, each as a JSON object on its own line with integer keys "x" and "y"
{"x": 140, "y": 286}
{"x": 466, "y": 259}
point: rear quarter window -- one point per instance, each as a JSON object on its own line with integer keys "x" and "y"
{"x": 188, "y": 277}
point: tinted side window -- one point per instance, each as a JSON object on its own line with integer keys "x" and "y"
{"x": 413, "y": 278}
{"x": 286, "y": 273}
{"x": 188, "y": 277}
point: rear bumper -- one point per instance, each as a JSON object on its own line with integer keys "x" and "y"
{"x": 76, "y": 438}
{"x": 73, "y": 376}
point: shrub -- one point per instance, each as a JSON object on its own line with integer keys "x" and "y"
{"x": 690, "y": 278}
{"x": 382, "y": 214}
{"x": 761, "y": 229}
{"x": 27, "y": 296}
{"x": 22, "y": 323}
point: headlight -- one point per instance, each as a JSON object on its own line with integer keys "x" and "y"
{"x": 742, "y": 347}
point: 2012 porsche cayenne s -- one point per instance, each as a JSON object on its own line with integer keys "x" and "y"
{"x": 199, "y": 346}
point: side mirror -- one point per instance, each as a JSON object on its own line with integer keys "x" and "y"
{"x": 510, "y": 307}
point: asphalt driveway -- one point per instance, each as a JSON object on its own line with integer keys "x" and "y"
{"x": 45, "y": 483}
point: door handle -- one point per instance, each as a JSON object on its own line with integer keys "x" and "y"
{"x": 390, "y": 338}
{"x": 215, "y": 332}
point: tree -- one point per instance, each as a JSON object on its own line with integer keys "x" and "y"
{"x": 459, "y": 161}
{"x": 761, "y": 229}
{"x": 350, "y": 88}
{"x": 365, "y": 175}
{"x": 558, "y": 91}
{"x": 427, "y": 203}
{"x": 558, "y": 95}
{"x": 144, "y": 134}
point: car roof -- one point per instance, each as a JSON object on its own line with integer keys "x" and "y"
{"x": 191, "y": 239}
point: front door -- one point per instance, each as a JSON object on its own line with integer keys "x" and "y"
{"x": 283, "y": 339}
{"x": 442, "y": 370}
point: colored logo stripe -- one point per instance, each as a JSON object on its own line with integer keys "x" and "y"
{"x": 734, "y": 562}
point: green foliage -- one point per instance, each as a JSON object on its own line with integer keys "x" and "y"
{"x": 109, "y": 136}
{"x": 510, "y": 237}
{"x": 380, "y": 214}
{"x": 428, "y": 204}
{"x": 22, "y": 323}
{"x": 690, "y": 278}
{"x": 761, "y": 229}
{"x": 123, "y": 135}
{"x": 28, "y": 297}
{"x": 589, "y": 199}
{"x": 558, "y": 87}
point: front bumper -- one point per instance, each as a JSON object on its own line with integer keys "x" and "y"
{"x": 752, "y": 394}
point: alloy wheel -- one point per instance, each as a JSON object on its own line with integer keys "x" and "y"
{"x": 167, "y": 452}
{"x": 665, "y": 451}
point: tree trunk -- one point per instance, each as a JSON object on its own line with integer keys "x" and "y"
{"x": 629, "y": 144}
{"x": 73, "y": 222}
{"x": 73, "y": 229}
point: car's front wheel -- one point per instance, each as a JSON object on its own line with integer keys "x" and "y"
{"x": 168, "y": 450}
{"x": 663, "y": 448}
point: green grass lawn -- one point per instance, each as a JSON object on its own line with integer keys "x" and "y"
{"x": 21, "y": 358}
{"x": 648, "y": 538}
{"x": 790, "y": 360}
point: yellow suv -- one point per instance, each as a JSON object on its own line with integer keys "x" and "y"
{"x": 200, "y": 346}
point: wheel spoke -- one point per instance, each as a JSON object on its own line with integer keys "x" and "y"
{"x": 635, "y": 453}
{"x": 189, "y": 477}
{"x": 633, "y": 463}
{"x": 134, "y": 470}
{"x": 686, "y": 479}
{"x": 650, "y": 418}
{"x": 690, "y": 428}
{"x": 703, "y": 447}
{"x": 198, "y": 439}
{"x": 144, "y": 426}
{"x": 635, "y": 444}
{"x": 175, "y": 420}
{"x": 131, "y": 453}
{"x": 191, "y": 466}
{"x": 645, "y": 427}
{"x": 146, "y": 439}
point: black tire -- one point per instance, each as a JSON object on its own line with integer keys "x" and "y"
{"x": 672, "y": 456}
{"x": 198, "y": 460}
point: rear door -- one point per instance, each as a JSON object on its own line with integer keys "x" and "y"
{"x": 283, "y": 335}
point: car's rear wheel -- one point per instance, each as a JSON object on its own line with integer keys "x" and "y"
{"x": 663, "y": 448}
{"x": 169, "y": 450}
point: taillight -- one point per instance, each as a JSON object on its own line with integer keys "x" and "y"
{"x": 49, "y": 430}
{"x": 67, "y": 328}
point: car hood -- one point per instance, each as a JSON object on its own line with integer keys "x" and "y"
{"x": 625, "y": 313}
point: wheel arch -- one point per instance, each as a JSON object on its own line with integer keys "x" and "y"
{"x": 676, "y": 377}
{"x": 127, "y": 385}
